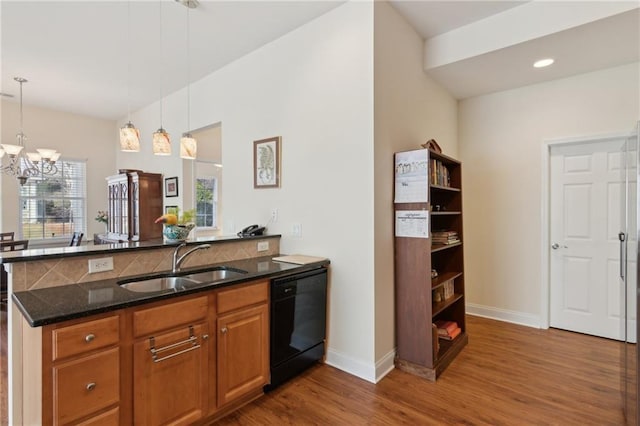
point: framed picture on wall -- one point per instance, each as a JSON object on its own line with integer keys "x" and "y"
{"x": 171, "y": 187}
{"x": 171, "y": 209}
{"x": 266, "y": 163}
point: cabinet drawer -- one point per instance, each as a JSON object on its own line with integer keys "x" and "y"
{"x": 238, "y": 297}
{"x": 108, "y": 418}
{"x": 86, "y": 385}
{"x": 87, "y": 336}
{"x": 163, "y": 317}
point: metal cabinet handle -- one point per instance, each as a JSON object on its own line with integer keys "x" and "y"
{"x": 205, "y": 337}
{"x": 91, "y": 386}
{"x": 89, "y": 337}
{"x": 192, "y": 340}
{"x": 223, "y": 330}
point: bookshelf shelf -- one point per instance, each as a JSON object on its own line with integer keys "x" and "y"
{"x": 441, "y": 306}
{"x": 443, "y": 278}
{"x": 420, "y": 299}
{"x": 439, "y": 247}
{"x": 444, "y": 188}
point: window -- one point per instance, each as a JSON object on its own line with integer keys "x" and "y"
{"x": 54, "y": 207}
{"x": 206, "y": 201}
{"x": 207, "y": 188}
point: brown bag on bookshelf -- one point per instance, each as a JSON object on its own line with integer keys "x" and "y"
{"x": 432, "y": 145}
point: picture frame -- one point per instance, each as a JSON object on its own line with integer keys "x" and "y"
{"x": 171, "y": 187}
{"x": 170, "y": 209}
{"x": 266, "y": 162}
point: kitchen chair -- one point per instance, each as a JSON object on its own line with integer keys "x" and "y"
{"x": 76, "y": 239}
{"x": 6, "y": 236}
{"x": 14, "y": 245}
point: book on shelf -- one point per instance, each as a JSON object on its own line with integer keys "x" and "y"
{"x": 445, "y": 237}
{"x": 448, "y": 330}
{"x": 439, "y": 173}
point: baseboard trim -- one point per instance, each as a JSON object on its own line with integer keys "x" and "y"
{"x": 352, "y": 366}
{"x": 514, "y": 317}
{"x": 385, "y": 365}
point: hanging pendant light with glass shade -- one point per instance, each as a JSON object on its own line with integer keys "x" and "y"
{"x": 161, "y": 140}
{"x": 21, "y": 164}
{"x": 129, "y": 135}
{"x": 188, "y": 144}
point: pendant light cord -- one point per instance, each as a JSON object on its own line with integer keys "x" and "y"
{"x": 129, "y": 61}
{"x": 161, "y": 69}
{"x": 188, "y": 76}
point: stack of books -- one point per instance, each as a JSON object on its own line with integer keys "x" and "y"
{"x": 448, "y": 330}
{"x": 445, "y": 237}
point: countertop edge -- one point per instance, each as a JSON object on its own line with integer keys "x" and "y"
{"x": 89, "y": 250}
{"x": 21, "y": 298}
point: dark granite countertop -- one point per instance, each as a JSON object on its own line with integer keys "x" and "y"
{"x": 51, "y": 305}
{"x": 57, "y": 252}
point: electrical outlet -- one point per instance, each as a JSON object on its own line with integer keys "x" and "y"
{"x": 100, "y": 265}
{"x": 263, "y": 245}
{"x": 274, "y": 215}
{"x": 296, "y": 230}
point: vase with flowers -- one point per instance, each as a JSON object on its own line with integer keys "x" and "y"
{"x": 103, "y": 217}
{"x": 177, "y": 226}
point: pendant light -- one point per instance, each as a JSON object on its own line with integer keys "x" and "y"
{"x": 188, "y": 144}
{"x": 129, "y": 135}
{"x": 161, "y": 140}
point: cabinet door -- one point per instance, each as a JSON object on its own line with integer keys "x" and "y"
{"x": 170, "y": 387}
{"x": 243, "y": 353}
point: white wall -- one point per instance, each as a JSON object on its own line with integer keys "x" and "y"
{"x": 313, "y": 87}
{"x": 410, "y": 108}
{"x": 501, "y": 139}
{"x": 77, "y": 137}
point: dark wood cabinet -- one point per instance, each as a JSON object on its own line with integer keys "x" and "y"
{"x": 429, "y": 268}
{"x": 135, "y": 201}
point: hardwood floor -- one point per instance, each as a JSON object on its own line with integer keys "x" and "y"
{"x": 507, "y": 375}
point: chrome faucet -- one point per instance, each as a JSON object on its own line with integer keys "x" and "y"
{"x": 175, "y": 267}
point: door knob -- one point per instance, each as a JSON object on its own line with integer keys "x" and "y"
{"x": 556, "y": 246}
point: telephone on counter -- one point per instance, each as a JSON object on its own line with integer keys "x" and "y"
{"x": 251, "y": 231}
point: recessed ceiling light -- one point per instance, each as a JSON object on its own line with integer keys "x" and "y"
{"x": 543, "y": 63}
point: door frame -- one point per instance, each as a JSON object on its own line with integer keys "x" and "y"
{"x": 547, "y": 144}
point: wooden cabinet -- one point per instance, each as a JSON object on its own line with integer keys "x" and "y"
{"x": 170, "y": 363}
{"x": 175, "y": 361}
{"x": 135, "y": 201}
{"x": 243, "y": 341}
{"x": 429, "y": 268}
{"x": 81, "y": 365}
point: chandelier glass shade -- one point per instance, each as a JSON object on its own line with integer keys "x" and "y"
{"x": 22, "y": 164}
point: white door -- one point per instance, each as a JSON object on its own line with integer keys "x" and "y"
{"x": 586, "y": 209}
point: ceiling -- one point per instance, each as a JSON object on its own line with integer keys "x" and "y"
{"x": 85, "y": 57}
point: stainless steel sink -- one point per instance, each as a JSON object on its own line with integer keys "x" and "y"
{"x": 217, "y": 274}
{"x": 159, "y": 284}
{"x": 213, "y": 275}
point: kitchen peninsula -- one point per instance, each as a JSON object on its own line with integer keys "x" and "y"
{"x": 85, "y": 349}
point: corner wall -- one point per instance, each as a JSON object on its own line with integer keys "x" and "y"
{"x": 501, "y": 140}
{"x": 313, "y": 87}
{"x": 410, "y": 108}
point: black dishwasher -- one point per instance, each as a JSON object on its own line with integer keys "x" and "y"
{"x": 298, "y": 323}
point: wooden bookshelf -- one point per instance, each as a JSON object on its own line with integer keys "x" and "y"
{"x": 417, "y": 304}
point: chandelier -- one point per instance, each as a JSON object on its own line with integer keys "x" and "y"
{"x": 21, "y": 164}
